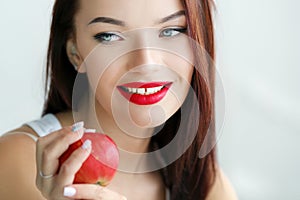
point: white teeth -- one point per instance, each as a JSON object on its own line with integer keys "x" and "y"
{"x": 143, "y": 91}
{"x": 150, "y": 91}
{"x": 132, "y": 90}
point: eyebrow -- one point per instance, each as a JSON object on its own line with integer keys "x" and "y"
{"x": 117, "y": 22}
{"x": 107, "y": 20}
{"x": 172, "y": 16}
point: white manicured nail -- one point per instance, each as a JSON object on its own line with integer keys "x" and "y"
{"x": 69, "y": 191}
{"x": 90, "y": 130}
{"x": 77, "y": 126}
{"x": 87, "y": 144}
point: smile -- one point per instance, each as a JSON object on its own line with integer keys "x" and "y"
{"x": 144, "y": 93}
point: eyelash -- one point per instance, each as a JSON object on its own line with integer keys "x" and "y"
{"x": 176, "y": 29}
{"x": 100, "y": 37}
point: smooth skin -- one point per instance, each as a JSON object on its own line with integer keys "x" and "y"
{"x": 21, "y": 157}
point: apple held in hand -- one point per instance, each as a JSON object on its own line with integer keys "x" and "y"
{"x": 101, "y": 164}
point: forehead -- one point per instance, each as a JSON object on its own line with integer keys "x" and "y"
{"x": 134, "y": 12}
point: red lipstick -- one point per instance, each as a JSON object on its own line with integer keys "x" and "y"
{"x": 144, "y": 93}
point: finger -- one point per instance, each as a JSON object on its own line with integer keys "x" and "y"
{"x": 56, "y": 134}
{"x": 69, "y": 168}
{"x": 91, "y": 191}
{"x": 48, "y": 139}
{"x": 48, "y": 156}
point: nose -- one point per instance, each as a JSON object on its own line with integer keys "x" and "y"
{"x": 144, "y": 60}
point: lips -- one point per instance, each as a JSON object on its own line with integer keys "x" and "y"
{"x": 144, "y": 93}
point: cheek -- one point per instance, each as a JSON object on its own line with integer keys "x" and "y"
{"x": 104, "y": 81}
{"x": 103, "y": 96}
{"x": 181, "y": 67}
{"x": 85, "y": 43}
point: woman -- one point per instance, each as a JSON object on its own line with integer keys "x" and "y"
{"x": 115, "y": 66}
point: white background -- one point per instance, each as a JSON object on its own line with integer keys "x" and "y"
{"x": 258, "y": 49}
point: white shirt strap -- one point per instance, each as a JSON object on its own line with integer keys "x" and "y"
{"x": 47, "y": 124}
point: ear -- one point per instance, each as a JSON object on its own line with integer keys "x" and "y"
{"x": 74, "y": 56}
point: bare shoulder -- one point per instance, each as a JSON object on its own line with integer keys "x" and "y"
{"x": 18, "y": 171}
{"x": 222, "y": 188}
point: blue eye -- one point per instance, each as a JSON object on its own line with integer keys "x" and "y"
{"x": 170, "y": 32}
{"x": 107, "y": 37}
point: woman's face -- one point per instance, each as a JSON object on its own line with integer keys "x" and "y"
{"x": 130, "y": 52}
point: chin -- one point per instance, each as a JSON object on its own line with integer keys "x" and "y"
{"x": 135, "y": 118}
{"x": 153, "y": 115}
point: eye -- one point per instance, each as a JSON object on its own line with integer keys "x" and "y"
{"x": 170, "y": 32}
{"x": 107, "y": 37}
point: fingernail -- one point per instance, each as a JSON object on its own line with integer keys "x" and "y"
{"x": 90, "y": 130}
{"x": 77, "y": 126}
{"x": 69, "y": 191}
{"x": 86, "y": 145}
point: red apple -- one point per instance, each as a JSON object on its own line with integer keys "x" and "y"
{"x": 101, "y": 164}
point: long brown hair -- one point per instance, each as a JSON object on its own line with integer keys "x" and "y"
{"x": 189, "y": 177}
